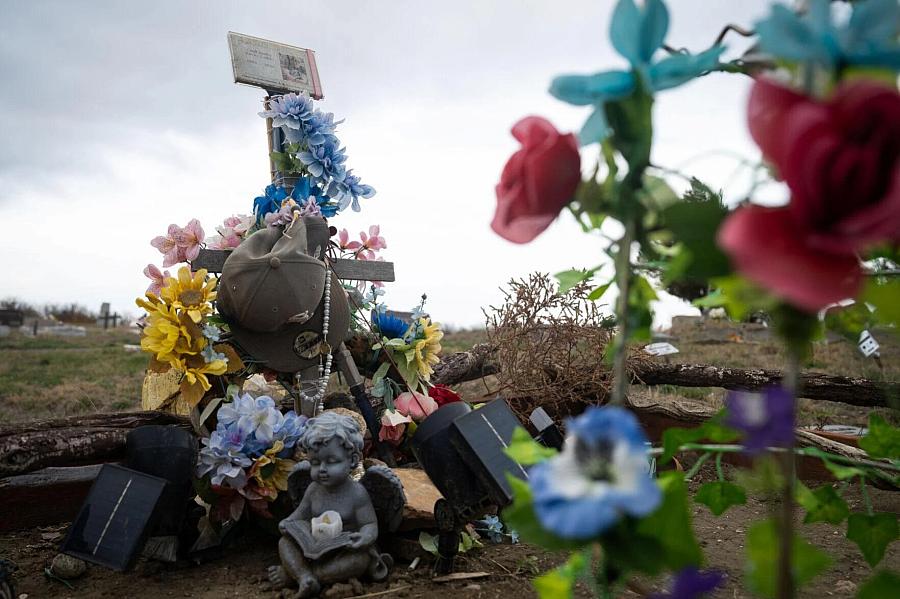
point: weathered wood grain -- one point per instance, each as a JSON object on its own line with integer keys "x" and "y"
{"x": 356, "y": 270}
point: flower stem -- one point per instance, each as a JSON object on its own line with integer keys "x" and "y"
{"x": 698, "y": 464}
{"x": 865, "y": 493}
{"x": 786, "y": 587}
{"x": 719, "y": 470}
{"x": 620, "y": 346}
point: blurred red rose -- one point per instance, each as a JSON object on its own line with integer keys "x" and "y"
{"x": 537, "y": 181}
{"x": 841, "y": 161}
{"x": 443, "y": 395}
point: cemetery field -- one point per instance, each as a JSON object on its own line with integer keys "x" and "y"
{"x": 47, "y": 377}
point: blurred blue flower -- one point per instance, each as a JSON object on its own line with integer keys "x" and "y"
{"x": 389, "y": 325}
{"x": 289, "y": 111}
{"x": 492, "y": 528}
{"x": 766, "y": 419}
{"x": 269, "y": 202}
{"x": 211, "y": 355}
{"x": 691, "y": 583}
{"x": 325, "y": 162}
{"x": 211, "y": 332}
{"x": 868, "y": 38}
{"x": 349, "y": 191}
{"x": 221, "y": 456}
{"x": 636, "y": 34}
{"x": 600, "y": 476}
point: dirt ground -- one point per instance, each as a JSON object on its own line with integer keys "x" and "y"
{"x": 508, "y": 568}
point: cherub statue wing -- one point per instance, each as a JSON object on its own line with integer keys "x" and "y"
{"x": 298, "y": 481}
{"x": 388, "y": 498}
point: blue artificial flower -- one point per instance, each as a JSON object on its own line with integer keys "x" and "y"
{"x": 600, "y": 476}
{"x": 222, "y": 456}
{"x": 306, "y": 188}
{"x": 319, "y": 128}
{"x": 212, "y": 332}
{"x": 389, "y": 325}
{"x": 268, "y": 203}
{"x": 766, "y": 419}
{"x": 289, "y": 111}
{"x": 492, "y": 528}
{"x": 868, "y": 38}
{"x": 691, "y": 583}
{"x": 211, "y": 355}
{"x": 348, "y": 191}
{"x": 636, "y": 34}
{"x": 325, "y": 162}
{"x": 289, "y": 431}
{"x": 260, "y": 417}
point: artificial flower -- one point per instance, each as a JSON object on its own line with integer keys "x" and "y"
{"x": 317, "y": 130}
{"x": 841, "y": 160}
{"x": 262, "y": 418}
{"x": 348, "y": 191}
{"x": 289, "y": 111}
{"x": 221, "y": 458}
{"x": 275, "y": 476}
{"x": 868, "y": 38}
{"x": 601, "y": 475}
{"x": 325, "y": 162}
{"x": 537, "y": 181}
{"x": 442, "y": 395}
{"x": 766, "y": 419}
{"x": 210, "y": 354}
{"x": 374, "y": 240}
{"x": 196, "y": 382}
{"x": 189, "y": 239}
{"x": 427, "y": 347}
{"x": 190, "y": 292}
{"x": 270, "y": 201}
{"x": 157, "y": 278}
{"x": 691, "y": 583}
{"x": 393, "y": 426}
{"x": 168, "y": 246}
{"x": 388, "y": 324}
{"x": 162, "y": 332}
{"x": 344, "y": 241}
{"x": 231, "y": 232}
{"x": 636, "y": 34}
{"x": 289, "y": 430}
{"x": 415, "y": 405}
{"x": 283, "y": 216}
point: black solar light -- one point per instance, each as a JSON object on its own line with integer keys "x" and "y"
{"x": 462, "y": 452}
{"x": 111, "y": 526}
{"x": 548, "y": 433}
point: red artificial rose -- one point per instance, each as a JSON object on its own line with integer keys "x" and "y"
{"x": 841, "y": 161}
{"x": 443, "y": 395}
{"x": 537, "y": 181}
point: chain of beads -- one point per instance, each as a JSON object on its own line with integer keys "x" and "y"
{"x": 321, "y": 383}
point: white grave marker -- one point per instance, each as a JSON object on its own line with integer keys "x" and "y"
{"x": 661, "y": 349}
{"x": 867, "y": 344}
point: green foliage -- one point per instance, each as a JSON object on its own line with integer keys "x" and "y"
{"x": 525, "y": 450}
{"x": 883, "y": 296}
{"x": 569, "y": 279}
{"x": 883, "y": 440}
{"x": 849, "y": 321}
{"x": 694, "y": 225}
{"x": 520, "y": 517}
{"x": 798, "y": 329}
{"x": 670, "y": 524}
{"x": 822, "y": 505}
{"x": 632, "y": 132}
{"x": 720, "y": 495}
{"x": 882, "y": 584}
{"x": 640, "y": 317}
{"x": 738, "y": 296}
{"x": 712, "y": 429}
{"x": 872, "y": 534}
{"x": 560, "y": 582}
{"x": 467, "y": 542}
{"x": 762, "y": 558}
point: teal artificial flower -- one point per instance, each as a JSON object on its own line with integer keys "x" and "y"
{"x": 868, "y": 38}
{"x": 636, "y": 34}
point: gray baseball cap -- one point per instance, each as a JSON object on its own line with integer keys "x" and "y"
{"x": 271, "y": 290}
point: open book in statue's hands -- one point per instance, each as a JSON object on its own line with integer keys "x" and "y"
{"x": 312, "y": 548}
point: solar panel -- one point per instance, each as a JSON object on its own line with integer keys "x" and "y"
{"x": 480, "y": 437}
{"x": 111, "y": 525}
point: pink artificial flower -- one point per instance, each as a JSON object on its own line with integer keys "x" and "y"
{"x": 345, "y": 243}
{"x": 393, "y": 426}
{"x": 189, "y": 239}
{"x": 415, "y": 405}
{"x": 373, "y": 241}
{"x": 537, "y": 181}
{"x": 157, "y": 278}
{"x": 168, "y": 246}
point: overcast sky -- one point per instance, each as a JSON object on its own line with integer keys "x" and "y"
{"x": 118, "y": 118}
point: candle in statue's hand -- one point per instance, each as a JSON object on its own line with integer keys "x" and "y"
{"x": 326, "y": 526}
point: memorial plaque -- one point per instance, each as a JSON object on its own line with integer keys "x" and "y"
{"x": 277, "y": 68}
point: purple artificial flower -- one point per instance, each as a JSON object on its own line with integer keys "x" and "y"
{"x": 766, "y": 419}
{"x": 692, "y": 583}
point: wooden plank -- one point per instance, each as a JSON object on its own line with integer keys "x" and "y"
{"x": 44, "y": 497}
{"x": 355, "y": 270}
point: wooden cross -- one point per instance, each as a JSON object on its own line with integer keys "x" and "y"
{"x": 355, "y": 270}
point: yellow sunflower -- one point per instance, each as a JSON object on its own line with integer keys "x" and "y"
{"x": 427, "y": 348}
{"x": 275, "y": 478}
{"x": 192, "y": 294}
{"x": 195, "y": 382}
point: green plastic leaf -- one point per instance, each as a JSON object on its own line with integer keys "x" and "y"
{"x": 632, "y": 125}
{"x": 382, "y": 370}
{"x": 598, "y": 292}
{"x": 849, "y": 321}
{"x": 673, "y": 438}
{"x": 739, "y": 297}
{"x": 872, "y": 534}
{"x": 883, "y": 440}
{"x": 525, "y": 450}
{"x": 658, "y": 195}
{"x": 560, "y": 582}
{"x": 570, "y": 278}
{"x": 822, "y": 505}
{"x": 762, "y": 557}
{"x": 884, "y": 584}
{"x": 720, "y": 495}
{"x": 670, "y": 524}
{"x": 883, "y": 296}
{"x": 640, "y": 317}
{"x": 842, "y": 472}
{"x": 520, "y": 517}
{"x": 695, "y": 225}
